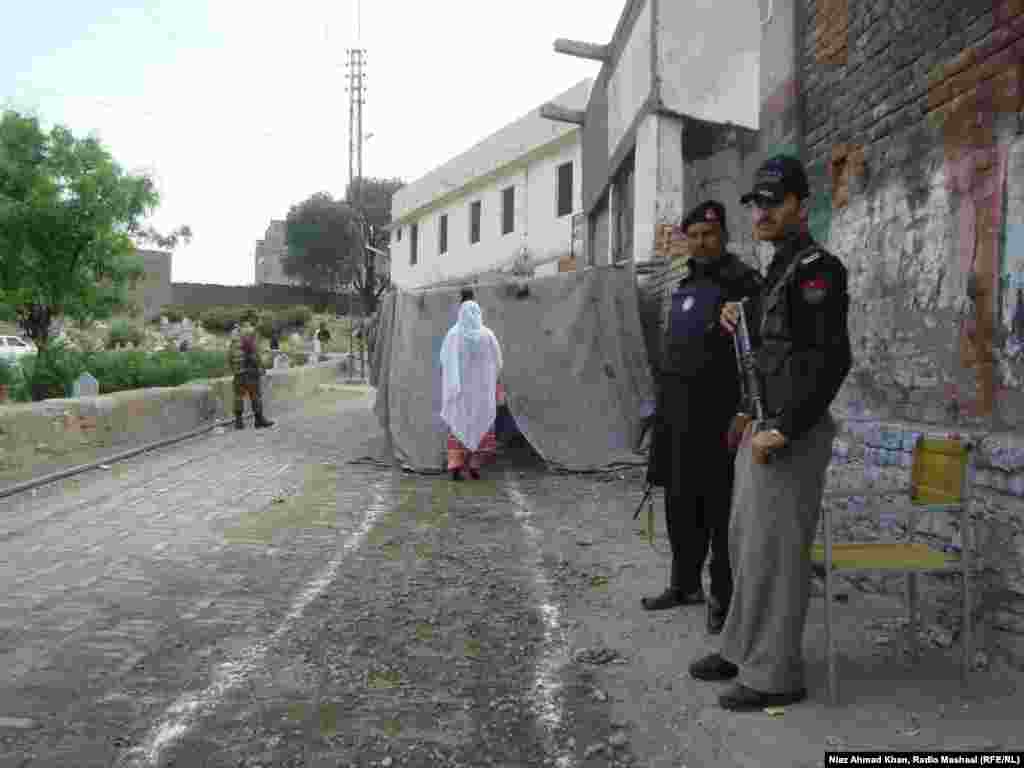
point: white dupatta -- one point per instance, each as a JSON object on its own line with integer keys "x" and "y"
{"x": 470, "y": 364}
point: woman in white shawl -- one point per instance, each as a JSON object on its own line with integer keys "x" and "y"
{"x": 470, "y": 364}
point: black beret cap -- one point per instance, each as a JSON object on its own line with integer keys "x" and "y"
{"x": 709, "y": 211}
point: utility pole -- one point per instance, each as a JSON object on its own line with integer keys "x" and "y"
{"x": 356, "y": 91}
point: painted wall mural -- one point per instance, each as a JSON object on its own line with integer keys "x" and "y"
{"x": 965, "y": 96}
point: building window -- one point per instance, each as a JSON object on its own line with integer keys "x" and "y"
{"x": 474, "y": 222}
{"x": 442, "y": 234}
{"x": 414, "y": 234}
{"x": 564, "y": 193}
{"x": 622, "y": 249}
{"x": 508, "y": 210}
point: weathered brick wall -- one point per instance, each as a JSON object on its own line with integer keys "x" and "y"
{"x": 912, "y": 128}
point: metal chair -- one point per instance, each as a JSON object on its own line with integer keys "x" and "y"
{"x": 939, "y": 483}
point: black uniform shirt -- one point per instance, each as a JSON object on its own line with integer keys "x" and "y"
{"x": 819, "y": 302}
{"x": 705, "y": 357}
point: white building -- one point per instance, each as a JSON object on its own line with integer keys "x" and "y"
{"x": 668, "y": 122}
{"x": 507, "y": 202}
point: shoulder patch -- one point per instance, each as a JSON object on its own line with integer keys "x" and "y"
{"x": 814, "y": 291}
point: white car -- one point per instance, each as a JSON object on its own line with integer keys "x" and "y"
{"x": 13, "y": 347}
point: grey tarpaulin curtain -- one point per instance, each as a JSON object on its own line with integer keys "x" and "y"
{"x": 576, "y": 371}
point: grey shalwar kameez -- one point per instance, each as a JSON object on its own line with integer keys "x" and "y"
{"x": 803, "y": 357}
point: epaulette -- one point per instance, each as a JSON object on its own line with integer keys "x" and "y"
{"x": 812, "y": 258}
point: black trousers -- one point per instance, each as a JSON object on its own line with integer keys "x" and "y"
{"x": 697, "y": 505}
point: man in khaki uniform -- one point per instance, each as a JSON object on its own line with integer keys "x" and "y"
{"x": 244, "y": 359}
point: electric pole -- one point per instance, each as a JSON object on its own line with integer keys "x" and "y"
{"x": 356, "y": 91}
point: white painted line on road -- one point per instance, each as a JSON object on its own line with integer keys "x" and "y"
{"x": 182, "y": 716}
{"x": 547, "y": 684}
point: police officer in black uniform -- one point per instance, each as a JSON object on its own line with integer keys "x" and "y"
{"x": 698, "y": 395}
{"x": 803, "y": 355}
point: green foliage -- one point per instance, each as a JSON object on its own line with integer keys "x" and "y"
{"x": 123, "y": 332}
{"x": 220, "y": 319}
{"x": 7, "y": 313}
{"x": 68, "y": 218}
{"x": 53, "y": 370}
{"x": 175, "y": 313}
{"x": 119, "y": 370}
{"x": 295, "y": 317}
{"x": 20, "y": 389}
{"x": 267, "y": 324}
{"x": 324, "y": 241}
{"x": 8, "y": 373}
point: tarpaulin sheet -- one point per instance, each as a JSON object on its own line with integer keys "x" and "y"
{"x": 576, "y": 373}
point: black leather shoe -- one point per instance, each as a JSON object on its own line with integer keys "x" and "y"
{"x": 716, "y": 617}
{"x": 713, "y": 668}
{"x": 672, "y": 598}
{"x": 739, "y": 698}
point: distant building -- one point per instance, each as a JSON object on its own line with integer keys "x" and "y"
{"x": 153, "y": 290}
{"x": 269, "y": 257}
{"x": 506, "y": 203}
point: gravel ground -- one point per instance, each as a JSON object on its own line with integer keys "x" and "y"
{"x": 253, "y": 599}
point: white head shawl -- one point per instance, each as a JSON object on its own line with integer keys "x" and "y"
{"x": 470, "y": 360}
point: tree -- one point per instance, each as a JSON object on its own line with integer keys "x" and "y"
{"x": 324, "y": 243}
{"x": 69, "y": 222}
{"x": 372, "y": 197}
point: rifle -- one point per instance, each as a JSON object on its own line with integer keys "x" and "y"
{"x": 750, "y": 382}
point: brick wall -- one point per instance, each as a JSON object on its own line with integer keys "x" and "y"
{"x": 910, "y": 112}
{"x": 912, "y": 131}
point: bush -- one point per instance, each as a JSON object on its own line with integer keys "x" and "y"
{"x": 175, "y": 313}
{"x": 295, "y": 317}
{"x": 122, "y": 370}
{"x": 8, "y": 373}
{"x": 219, "y": 319}
{"x": 123, "y": 332}
{"x": 53, "y": 370}
{"x": 8, "y": 314}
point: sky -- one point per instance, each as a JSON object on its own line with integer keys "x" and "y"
{"x": 239, "y": 111}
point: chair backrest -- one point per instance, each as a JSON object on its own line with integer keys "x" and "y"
{"x": 940, "y": 470}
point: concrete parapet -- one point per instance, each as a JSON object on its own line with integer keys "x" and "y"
{"x": 53, "y": 434}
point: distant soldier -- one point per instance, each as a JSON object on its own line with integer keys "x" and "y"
{"x": 244, "y": 358}
{"x": 323, "y": 334}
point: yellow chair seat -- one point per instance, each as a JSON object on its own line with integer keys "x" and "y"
{"x": 896, "y": 556}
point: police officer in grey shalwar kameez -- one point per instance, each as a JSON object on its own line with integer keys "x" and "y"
{"x": 802, "y": 348}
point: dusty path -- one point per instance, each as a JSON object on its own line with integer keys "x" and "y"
{"x": 253, "y": 599}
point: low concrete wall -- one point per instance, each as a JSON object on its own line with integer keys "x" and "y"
{"x": 36, "y": 438}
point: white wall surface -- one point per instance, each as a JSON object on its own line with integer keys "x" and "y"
{"x": 708, "y": 54}
{"x": 545, "y": 235}
{"x": 497, "y": 150}
{"x": 630, "y": 83}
